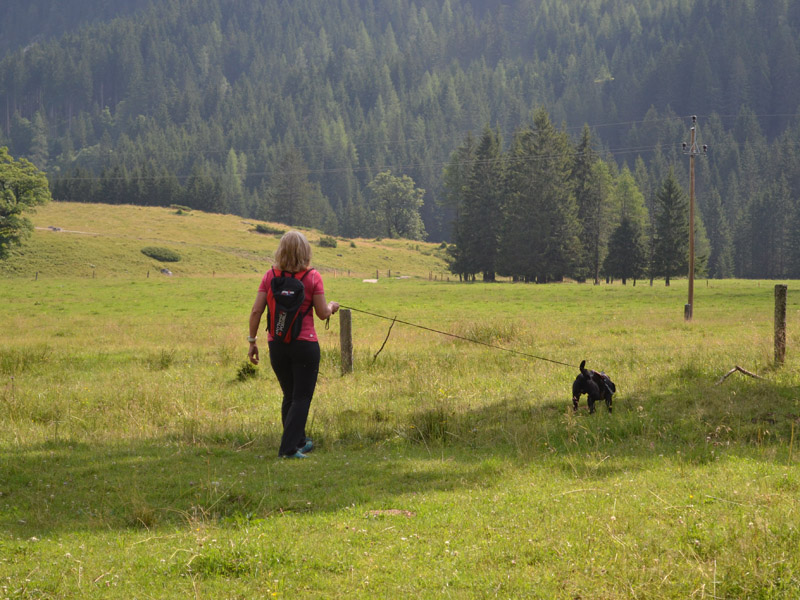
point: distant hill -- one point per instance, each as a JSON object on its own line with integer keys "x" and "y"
{"x": 91, "y": 240}
{"x": 231, "y": 105}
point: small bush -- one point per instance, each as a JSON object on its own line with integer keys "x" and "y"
{"x": 180, "y": 208}
{"x": 352, "y": 244}
{"x": 161, "y": 254}
{"x": 328, "y": 242}
{"x": 160, "y": 361}
{"x": 269, "y": 229}
{"x": 246, "y": 371}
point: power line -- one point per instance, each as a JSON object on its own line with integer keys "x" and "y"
{"x": 614, "y": 152}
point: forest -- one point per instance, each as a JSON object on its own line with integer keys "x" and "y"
{"x": 541, "y": 139}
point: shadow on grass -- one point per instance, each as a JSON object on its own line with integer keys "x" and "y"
{"x": 384, "y": 459}
{"x": 57, "y": 487}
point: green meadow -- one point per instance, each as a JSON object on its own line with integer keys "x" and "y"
{"x": 138, "y": 457}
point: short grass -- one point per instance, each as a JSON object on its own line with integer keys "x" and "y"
{"x": 137, "y": 462}
{"x": 90, "y": 240}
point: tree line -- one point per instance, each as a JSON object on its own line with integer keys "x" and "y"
{"x": 547, "y": 208}
{"x": 291, "y": 111}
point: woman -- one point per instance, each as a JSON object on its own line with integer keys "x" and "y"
{"x": 296, "y": 364}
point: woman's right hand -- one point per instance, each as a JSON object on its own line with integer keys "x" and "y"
{"x": 252, "y": 354}
{"x": 333, "y": 307}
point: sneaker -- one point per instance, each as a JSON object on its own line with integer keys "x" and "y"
{"x": 308, "y": 447}
{"x": 297, "y": 454}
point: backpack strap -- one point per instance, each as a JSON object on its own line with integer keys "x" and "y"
{"x": 310, "y": 306}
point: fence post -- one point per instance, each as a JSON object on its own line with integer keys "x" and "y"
{"x": 780, "y": 323}
{"x": 346, "y": 340}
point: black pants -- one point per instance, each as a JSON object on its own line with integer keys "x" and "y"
{"x": 296, "y": 365}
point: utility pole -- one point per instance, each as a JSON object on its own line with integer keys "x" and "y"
{"x": 692, "y": 151}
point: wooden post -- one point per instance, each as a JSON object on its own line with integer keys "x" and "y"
{"x": 37, "y": 276}
{"x": 346, "y": 340}
{"x": 780, "y": 324}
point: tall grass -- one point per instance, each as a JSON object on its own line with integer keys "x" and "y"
{"x": 135, "y": 461}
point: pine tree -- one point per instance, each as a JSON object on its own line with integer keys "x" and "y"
{"x": 482, "y": 210}
{"x": 587, "y": 201}
{"x": 720, "y": 262}
{"x": 456, "y": 181}
{"x": 627, "y": 252}
{"x": 552, "y": 203}
{"x": 291, "y": 191}
{"x": 671, "y": 235}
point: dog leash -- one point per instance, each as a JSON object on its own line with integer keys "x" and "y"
{"x": 459, "y": 337}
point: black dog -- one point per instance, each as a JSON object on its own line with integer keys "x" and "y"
{"x": 596, "y": 386}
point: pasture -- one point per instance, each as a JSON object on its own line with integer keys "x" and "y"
{"x": 137, "y": 461}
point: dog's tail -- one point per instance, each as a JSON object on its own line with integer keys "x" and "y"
{"x": 583, "y": 368}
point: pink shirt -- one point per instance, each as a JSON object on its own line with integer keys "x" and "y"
{"x": 313, "y": 285}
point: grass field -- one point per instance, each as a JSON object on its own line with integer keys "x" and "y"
{"x": 88, "y": 240}
{"x": 136, "y": 463}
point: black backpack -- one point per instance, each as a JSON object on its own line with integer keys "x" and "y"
{"x": 284, "y": 298}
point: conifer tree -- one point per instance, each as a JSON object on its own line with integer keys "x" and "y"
{"x": 671, "y": 235}
{"x": 543, "y": 200}
{"x": 482, "y": 210}
{"x": 720, "y": 262}
{"x": 291, "y": 191}
{"x": 456, "y": 181}
{"x": 587, "y": 199}
{"x": 627, "y": 252}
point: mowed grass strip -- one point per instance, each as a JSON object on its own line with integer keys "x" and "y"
{"x": 135, "y": 463}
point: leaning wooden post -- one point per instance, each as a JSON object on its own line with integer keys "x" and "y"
{"x": 346, "y": 340}
{"x": 780, "y": 324}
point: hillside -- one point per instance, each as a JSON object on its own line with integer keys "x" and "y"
{"x": 86, "y": 240}
{"x": 228, "y": 106}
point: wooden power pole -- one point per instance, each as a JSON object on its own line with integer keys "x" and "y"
{"x": 692, "y": 151}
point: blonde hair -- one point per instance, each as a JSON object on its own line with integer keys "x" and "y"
{"x": 293, "y": 253}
